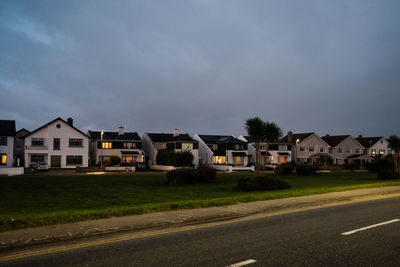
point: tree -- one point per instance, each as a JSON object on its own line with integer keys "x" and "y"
{"x": 260, "y": 131}
{"x": 394, "y": 144}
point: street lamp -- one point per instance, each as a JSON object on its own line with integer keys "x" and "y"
{"x": 101, "y": 151}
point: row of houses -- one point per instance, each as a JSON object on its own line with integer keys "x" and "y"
{"x": 61, "y": 145}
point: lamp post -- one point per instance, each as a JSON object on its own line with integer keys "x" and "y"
{"x": 101, "y": 151}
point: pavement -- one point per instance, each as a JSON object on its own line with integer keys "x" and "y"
{"x": 54, "y": 233}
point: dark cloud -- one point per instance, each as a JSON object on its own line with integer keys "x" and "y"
{"x": 202, "y": 66}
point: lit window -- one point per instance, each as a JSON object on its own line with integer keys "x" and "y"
{"x": 187, "y": 146}
{"x": 373, "y": 151}
{"x": 219, "y": 159}
{"x": 106, "y": 145}
{"x": 381, "y": 151}
{"x": 3, "y": 160}
{"x": 238, "y": 160}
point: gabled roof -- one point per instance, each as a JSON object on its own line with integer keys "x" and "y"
{"x": 7, "y": 127}
{"x": 167, "y": 137}
{"x": 47, "y": 124}
{"x": 221, "y": 139}
{"x": 22, "y": 130}
{"x": 334, "y": 140}
{"x": 114, "y": 136}
{"x": 300, "y": 136}
{"x": 368, "y": 141}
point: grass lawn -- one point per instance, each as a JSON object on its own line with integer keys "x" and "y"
{"x": 29, "y": 201}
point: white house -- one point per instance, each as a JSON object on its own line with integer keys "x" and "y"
{"x": 278, "y": 152}
{"x": 222, "y": 150}
{"x": 153, "y": 142}
{"x": 59, "y": 144}
{"x": 375, "y": 145}
{"x": 7, "y": 135}
{"x": 125, "y": 145}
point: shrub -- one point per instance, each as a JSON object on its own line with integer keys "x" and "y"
{"x": 166, "y": 157}
{"x": 305, "y": 169}
{"x": 261, "y": 183}
{"x": 380, "y": 164}
{"x": 286, "y": 168}
{"x": 181, "y": 176}
{"x": 114, "y": 160}
{"x": 350, "y": 166}
{"x": 183, "y": 159}
{"x": 387, "y": 175}
{"x": 207, "y": 174}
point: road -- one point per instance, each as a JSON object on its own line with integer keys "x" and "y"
{"x": 317, "y": 237}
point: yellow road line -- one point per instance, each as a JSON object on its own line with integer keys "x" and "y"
{"x": 125, "y": 237}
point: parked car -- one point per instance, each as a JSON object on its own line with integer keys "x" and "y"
{"x": 40, "y": 166}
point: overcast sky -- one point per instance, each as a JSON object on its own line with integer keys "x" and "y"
{"x": 202, "y": 66}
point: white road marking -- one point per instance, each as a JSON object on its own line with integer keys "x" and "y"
{"x": 243, "y": 263}
{"x": 369, "y": 227}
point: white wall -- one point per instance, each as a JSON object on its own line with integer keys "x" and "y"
{"x": 12, "y": 171}
{"x": 9, "y": 151}
{"x": 311, "y": 141}
{"x": 205, "y": 153}
{"x": 348, "y": 143}
{"x": 251, "y": 150}
{"x": 65, "y": 132}
{"x": 149, "y": 148}
{"x": 381, "y": 144}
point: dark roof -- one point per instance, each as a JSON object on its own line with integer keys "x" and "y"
{"x": 129, "y": 152}
{"x": 167, "y": 137}
{"x": 22, "y": 130}
{"x": 368, "y": 141}
{"x": 283, "y": 154}
{"x": 354, "y": 156}
{"x": 277, "y": 142}
{"x": 239, "y": 154}
{"x": 7, "y": 128}
{"x": 47, "y": 124}
{"x": 131, "y": 136}
{"x": 300, "y": 136}
{"x": 220, "y": 139}
{"x": 334, "y": 140}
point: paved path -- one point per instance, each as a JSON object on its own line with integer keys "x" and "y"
{"x": 45, "y": 234}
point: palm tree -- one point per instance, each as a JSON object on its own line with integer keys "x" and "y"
{"x": 260, "y": 131}
{"x": 394, "y": 144}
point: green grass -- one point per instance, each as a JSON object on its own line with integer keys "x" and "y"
{"x": 30, "y": 201}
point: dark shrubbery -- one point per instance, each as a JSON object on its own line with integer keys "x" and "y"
{"x": 286, "y": 168}
{"x": 380, "y": 164}
{"x": 183, "y": 159}
{"x": 387, "y": 175}
{"x": 261, "y": 183}
{"x": 114, "y": 160}
{"x": 305, "y": 169}
{"x": 166, "y": 157}
{"x": 204, "y": 174}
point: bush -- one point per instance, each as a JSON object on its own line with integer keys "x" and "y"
{"x": 183, "y": 159}
{"x": 261, "y": 183}
{"x": 114, "y": 160}
{"x": 204, "y": 174}
{"x": 286, "y": 168}
{"x": 305, "y": 169}
{"x": 166, "y": 157}
{"x": 387, "y": 175}
{"x": 380, "y": 165}
{"x": 207, "y": 174}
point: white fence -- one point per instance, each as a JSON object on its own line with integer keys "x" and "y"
{"x": 11, "y": 171}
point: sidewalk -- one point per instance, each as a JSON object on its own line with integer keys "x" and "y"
{"x": 52, "y": 233}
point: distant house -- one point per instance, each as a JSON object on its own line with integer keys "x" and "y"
{"x": 375, "y": 145}
{"x": 7, "y": 135}
{"x": 125, "y": 145}
{"x": 59, "y": 144}
{"x": 154, "y": 142}
{"x": 278, "y": 152}
{"x": 345, "y": 149}
{"x": 19, "y": 146}
{"x": 305, "y": 146}
{"x": 222, "y": 150}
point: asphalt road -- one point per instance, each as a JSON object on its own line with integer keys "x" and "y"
{"x": 308, "y": 238}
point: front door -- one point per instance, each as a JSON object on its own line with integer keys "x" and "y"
{"x": 55, "y": 162}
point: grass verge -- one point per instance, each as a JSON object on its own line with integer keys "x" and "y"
{"x": 31, "y": 201}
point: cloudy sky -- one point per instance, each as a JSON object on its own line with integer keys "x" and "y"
{"x": 202, "y": 66}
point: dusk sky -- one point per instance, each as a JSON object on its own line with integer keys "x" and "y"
{"x": 202, "y": 66}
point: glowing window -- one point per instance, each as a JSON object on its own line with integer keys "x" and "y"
{"x": 373, "y": 151}
{"x": 219, "y": 159}
{"x": 238, "y": 160}
{"x": 3, "y": 160}
{"x": 106, "y": 145}
{"x": 381, "y": 151}
{"x": 187, "y": 146}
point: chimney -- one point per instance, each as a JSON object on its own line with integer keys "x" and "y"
{"x": 290, "y": 137}
{"x": 70, "y": 121}
{"x": 176, "y": 132}
{"x": 121, "y": 130}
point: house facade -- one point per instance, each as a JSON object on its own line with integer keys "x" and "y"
{"x": 305, "y": 146}
{"x": 125, "y": 145}
{"x": 222, "y": 150}
{"x": 374, "y": 146}
{"x": 278, "y": 152}
{"x": 345, "y": 149}
{"x": 154, "y": 142}
{"x": 59, "y": 144}
{"x": 19, "y": 147}
{"x": 7, "y": 135}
